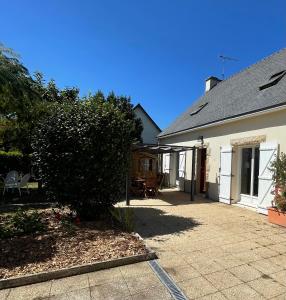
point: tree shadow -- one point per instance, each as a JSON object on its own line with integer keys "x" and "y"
{"x": 173, "y": 198}
{"x": 153, "y": 222}
{"x": 21, "y": 251}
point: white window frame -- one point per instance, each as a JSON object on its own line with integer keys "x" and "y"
{"x": 249, "y": 200}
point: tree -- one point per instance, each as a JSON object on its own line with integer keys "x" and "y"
{"x": 25, "y": 100}
{"x": 82, "y": 152}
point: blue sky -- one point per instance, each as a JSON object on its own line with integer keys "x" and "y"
{"x": 159, "y": 52}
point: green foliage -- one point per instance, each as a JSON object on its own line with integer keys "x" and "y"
{"x": 280, "y": 202}
{"x": 278, "y": 167}
{"x": 124, "y": 217}
{"x": 25, "y": 100}
{"x": 21, "y": 223}
{"x": 14, "y": 160}
{"x": 82, "y": 152}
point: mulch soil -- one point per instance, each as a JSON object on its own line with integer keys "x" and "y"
{"x": 58, "y": 248}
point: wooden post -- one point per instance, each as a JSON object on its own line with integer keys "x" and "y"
{"x": 127, "y": 190}
{"x": 193, "y": 174}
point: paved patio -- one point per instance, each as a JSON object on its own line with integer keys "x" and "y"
{"x": 211, "y": 250}
{"x": 130, "y": 282}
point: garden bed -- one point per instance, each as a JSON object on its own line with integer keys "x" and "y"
{"x": 65, "y": 246}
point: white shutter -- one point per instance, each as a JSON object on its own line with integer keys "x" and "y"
{"x": 181, "y": 171}
{"x": 225, "y": 174}
{"x": 182, "y": 164}
{"x": 166, "y": 163}
{"x": 268, "y": 152}
{"x": 166, "y": 169}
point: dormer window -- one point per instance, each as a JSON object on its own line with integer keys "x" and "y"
{"x": 274, "y": 79}
{"x": 198, "y": 109}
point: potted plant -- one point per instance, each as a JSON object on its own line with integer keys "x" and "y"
{"x": 277, "y": 213}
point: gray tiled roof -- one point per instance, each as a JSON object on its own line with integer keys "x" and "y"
{"x": 238, "y": 95}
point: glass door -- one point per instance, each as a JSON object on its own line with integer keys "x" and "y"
{"x": 249, "y": 172}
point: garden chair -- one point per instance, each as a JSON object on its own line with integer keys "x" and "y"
{"x": 24, "y": 183}
{"x": 11, "y": 181}
{"x": 151, "y": 187}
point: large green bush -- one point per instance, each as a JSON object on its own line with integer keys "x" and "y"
{"x": 82, "y": 153}
{"x": 14, "y": 160}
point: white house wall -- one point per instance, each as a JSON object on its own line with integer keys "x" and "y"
{"x": 150, "y": 131}
{"x": 271, "y": 125}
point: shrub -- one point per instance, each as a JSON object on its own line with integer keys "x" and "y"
{"x": 278, "y": 167}
{"x": 14, "y": 160}
{"x": 21, "y": 223}
{"x": 82, "y": 155}
{"x": 124, "y": 217}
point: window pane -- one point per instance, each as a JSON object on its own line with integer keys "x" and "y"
{"x": 256, "y": 172}
{"x": 246, "y": 171}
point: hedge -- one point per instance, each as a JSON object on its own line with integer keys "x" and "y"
{"x": 82, "y": 155}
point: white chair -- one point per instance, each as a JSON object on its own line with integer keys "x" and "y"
{"x": 11, "y": 181}
{"x": 24, "y": 183}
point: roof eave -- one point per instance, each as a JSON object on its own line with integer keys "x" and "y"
{"x": 227, "y": 120}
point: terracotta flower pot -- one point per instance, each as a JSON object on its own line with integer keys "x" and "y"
{"x": 276, "y": 216}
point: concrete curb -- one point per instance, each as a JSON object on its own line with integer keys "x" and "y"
{"x": 77, "y": 270}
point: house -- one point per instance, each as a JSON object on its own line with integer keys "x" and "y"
{"x": 145, "y": 164}
{"x": 238, "y": 127}
{"x": 150, "y": 128}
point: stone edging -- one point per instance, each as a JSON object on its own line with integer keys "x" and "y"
{"x": 77, "y": 270}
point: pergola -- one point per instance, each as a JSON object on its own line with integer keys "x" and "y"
{"x": 164, "y": 149}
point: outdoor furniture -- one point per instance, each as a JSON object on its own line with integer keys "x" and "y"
{"x": 137, "y": 187}
{"x": 151, "y": 187}
{"x": 12, "y": 181}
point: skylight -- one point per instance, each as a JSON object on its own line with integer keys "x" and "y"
{"x": 198, "y": 109}
{"x": 274, "y": 79}
{"x": 277, "y": 74}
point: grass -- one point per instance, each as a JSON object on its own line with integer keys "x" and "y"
{"x": 31, "y": 185}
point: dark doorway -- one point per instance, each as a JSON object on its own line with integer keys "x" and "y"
{"x": 203, "y": 170}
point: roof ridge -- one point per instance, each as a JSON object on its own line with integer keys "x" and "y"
{"x": 252, "y": 65}
{"x": 237, "y": 86}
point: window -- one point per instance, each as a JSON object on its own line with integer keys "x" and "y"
{"x": 198, "y": 109}
{"x": 274, "y": 79}
{"x": 276, "y": 74}
{"x": 146, "y": 164}
{"x": 249, "y": 171}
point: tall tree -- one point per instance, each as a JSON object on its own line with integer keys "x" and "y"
{"x": 24, "y": 100}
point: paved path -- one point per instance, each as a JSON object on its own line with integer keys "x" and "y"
{"x": 211, "y": 250}
{"x": 130, "y": 282}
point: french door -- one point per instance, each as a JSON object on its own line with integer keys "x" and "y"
{"x": 249, "y": 175}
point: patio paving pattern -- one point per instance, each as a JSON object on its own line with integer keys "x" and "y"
{"x": 211, "y": 250}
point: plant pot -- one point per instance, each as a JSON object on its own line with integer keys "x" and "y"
{"x": 276, "y": 216}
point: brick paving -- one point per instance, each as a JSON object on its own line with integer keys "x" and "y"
{"x": 213, "y": 250}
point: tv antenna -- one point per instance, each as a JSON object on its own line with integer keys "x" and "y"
{"x": 224, "y": 59}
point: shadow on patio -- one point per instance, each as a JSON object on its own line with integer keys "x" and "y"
{"x": 151, "y": 222}
{"x": 167, "y": 197}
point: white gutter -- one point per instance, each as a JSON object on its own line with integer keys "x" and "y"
{"x": 217, "y": 123}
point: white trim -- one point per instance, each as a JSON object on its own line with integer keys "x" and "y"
{"x": 262, "y": 210}
{"x": 233, "y": 119}
{"x": 224, "y": 201}
{"x": 240, "y": 196}
{"x": 245, "y": 206}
